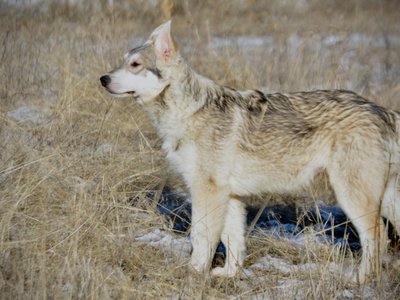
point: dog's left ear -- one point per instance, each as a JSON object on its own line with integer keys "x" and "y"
{"x": 164, "y": 45}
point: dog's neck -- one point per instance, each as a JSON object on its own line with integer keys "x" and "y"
{"x": 186, "y": 93}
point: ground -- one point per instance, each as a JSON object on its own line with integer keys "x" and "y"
{"x": 81, "y": 172}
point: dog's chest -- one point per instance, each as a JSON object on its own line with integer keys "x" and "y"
{"x": 182, "y": 157}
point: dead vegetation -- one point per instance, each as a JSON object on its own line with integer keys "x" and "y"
{"x": 74, "y": 160}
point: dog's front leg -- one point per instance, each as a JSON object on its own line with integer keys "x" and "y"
{"x": 209, "y": 207}
{"x": 233, "y": 238}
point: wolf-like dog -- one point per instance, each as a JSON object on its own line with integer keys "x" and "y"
{"x": 229, "y": 143}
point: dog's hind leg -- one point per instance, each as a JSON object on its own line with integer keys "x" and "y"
{"x": 233, "y": 238}
{"x": 391, "y": 202}
{"x": 209, "y": 207}
{"x": 358, "y": 192}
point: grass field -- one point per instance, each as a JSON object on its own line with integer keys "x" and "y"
{"x": 76, "y": 166}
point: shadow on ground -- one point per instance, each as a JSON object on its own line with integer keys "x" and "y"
{"x": 286, "y": 221}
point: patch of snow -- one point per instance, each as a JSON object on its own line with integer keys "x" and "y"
{"x": 287, "y": 283}
{"x": 294, "y": 42}
{"x": 257, "y": 41}
{"x": 368, "y": 292}
{"x": 331, "y": 40}
{"x": 272, "y": 263}
{"x": 69, "y": 2}
{"x": 67, "y": 287}
{"x": 246, "y": 42}
{"x": 348, "y": 294}
{"x": 104, "y": 149}
{"x": 290, "y": 288}
{"x": 79, "y": 184}
{"x": 167, "y": 242}
{"x": 21, "y": 2}
{"x": 50, "y": 94}
{"x": 34, "y": 114}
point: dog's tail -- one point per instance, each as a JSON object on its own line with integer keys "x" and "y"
{"x": 397, "y": 128}
{"x": 395, "y": 153}
{"x": 393, "y": 203}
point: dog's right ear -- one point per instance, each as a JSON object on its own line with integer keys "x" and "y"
{"x": 164, "y": 46}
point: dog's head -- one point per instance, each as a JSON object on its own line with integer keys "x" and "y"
{"x": 141, "y": 74}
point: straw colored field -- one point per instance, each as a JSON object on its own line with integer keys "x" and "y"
{"x": 76, "y": 165}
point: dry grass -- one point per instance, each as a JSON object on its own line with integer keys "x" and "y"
{"x": 67, "y": 184}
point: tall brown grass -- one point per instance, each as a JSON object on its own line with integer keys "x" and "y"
{"x": 74, "y": 187}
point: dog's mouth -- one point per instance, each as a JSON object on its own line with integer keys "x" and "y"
{"x": 128, "y": 93}
{"x": 106, "y": 81}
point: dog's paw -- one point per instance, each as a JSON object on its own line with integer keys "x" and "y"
{"x": 197, "y": 265}
{"x": 223, "y": 272}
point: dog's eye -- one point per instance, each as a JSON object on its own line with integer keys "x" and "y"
{"x": 135, "y": 64}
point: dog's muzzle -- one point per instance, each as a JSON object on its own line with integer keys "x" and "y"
{"x": 105, "y": 80}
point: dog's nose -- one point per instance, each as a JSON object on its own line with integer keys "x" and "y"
{"x": 105, "y": 80}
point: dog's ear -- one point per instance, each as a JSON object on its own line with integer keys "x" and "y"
{"x": 164, "y": 45}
